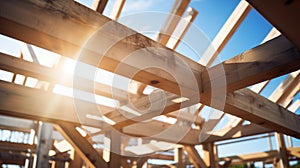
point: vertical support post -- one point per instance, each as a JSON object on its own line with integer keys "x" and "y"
{"x": 76, "y": 159}
{"x": 283, "y": 155}
{"x": 195, "y": 157}
{"x": 59, "y": 164}
{"x": 210, "y": 155}
{"x": 112, "y": 148}
{"x": 140, "y": 163}
{"x": 44, "y": 143}
{"x": 178, "y": 157}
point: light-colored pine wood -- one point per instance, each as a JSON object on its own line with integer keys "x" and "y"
{"x": 195, "y": 157}
{"x": 210, "y": 155}
{"x": 237, "y": 132}
{"x": 64, "y": 42}
{"x": 226, "y": 32}
{"x": 178, "y": 157}
{"x": 178, "y": 9}
{"x": 81, "y": 145}
{"x": 117, "y": 9}
{"x": 260, "y": 156}
{"x": 99, "y": 5}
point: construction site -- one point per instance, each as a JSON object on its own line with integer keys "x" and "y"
{"x": 149, "y": 84}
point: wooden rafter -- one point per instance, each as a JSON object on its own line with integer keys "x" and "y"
{"x": 99, "y": 5}
{"x": 8, "y": 22}
{"x": 172, "y": 20}
{"x": 81, "y": 145}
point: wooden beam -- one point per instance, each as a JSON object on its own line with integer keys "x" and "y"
{"x": 15, "y": 100}
{"x": 287, "y": 87}
{"x": 237, "y": 132}
{"x": 81, "y": 145}
{"x": 61, "y": 105}
{"x": 76, "y": 160}
{"x": 172, "y": 20}
{"x": 283, "y": 95}
{"x": 174, "y": 26}
{"x": 124, "y": 163}
{"x": 253, "y": 157}
{"x": 195, "y": 157}
{"x": 117, "y": 9}
{"x": 290, "y": 92}
{"x": 99, "y": 5}
{"x": 178, "y": 157}
{"x": 17, "y": 124}
{"x": 17, "y": 146}
{"x": 141, "y": 161}
{"x": 279, "y": 119}
{"x": 182, "y": 28}
{"x": 44, "y": 144}
{"x": 236, "y": 67}
{"x": 112, "y": 148}
{"x": 210, "y": 155}
{"x": 256, "y": 62}
{"x": 282, "y": 15}
{"x": 71, "y": 45}
{"x": 226, "y": 32}
{"x": 226, "y": 164}
{"x": 279, "y": 94}
{"x": 283, "y": 154}
{"x": 294, "y": 151}
{"x": 56, "y": 76}
{"x": 66, "y": 43}
{"x": 162, "y": 157}
{"x": 166, "y": 132}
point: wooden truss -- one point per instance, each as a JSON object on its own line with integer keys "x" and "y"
{"x": 66, "y": 27}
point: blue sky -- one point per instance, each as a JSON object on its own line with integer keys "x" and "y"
{"x": 212, "y": 15}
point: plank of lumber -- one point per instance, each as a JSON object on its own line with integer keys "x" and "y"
{"x": 282, "y": 15}
{"x": 226, "y": 32}
{"x": 69, "y": 42}
{"x": 18, "y": 23}
{"x": 210, "y": 155}
{"x": 237, "y": 132}
{"x": 172, "y": 20}
{"x": 81, "y": 145}
{"x": 236, "y": 68}
{"x": 29, "y": 103}
{"x": 260, "y": 156}
{"x": 178, "y": 157}
{"x": 17, "y": 146}
{"x": 162, "y": 157}
{"x": 179, "y": 32}
{"x": 264, "y": 112}
{"x": 166, "y": 132}
{"x": 287, "y": 87}
{"x": 99, "y": 5}
{"x": 295, "y": 151}
{"x": 182, "y": 27}
{"x": 15, "y": 100}
{"x": 117, "y": 9}
{"x": 56, "y": 76}
{"x": 112, "y": 150}
{"x": 255, "y": 63}
{"x": 195, "y": 157}
{"x": 22, "y": 125}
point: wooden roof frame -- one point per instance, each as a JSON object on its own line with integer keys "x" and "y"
{"x": 263, "y": 63}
